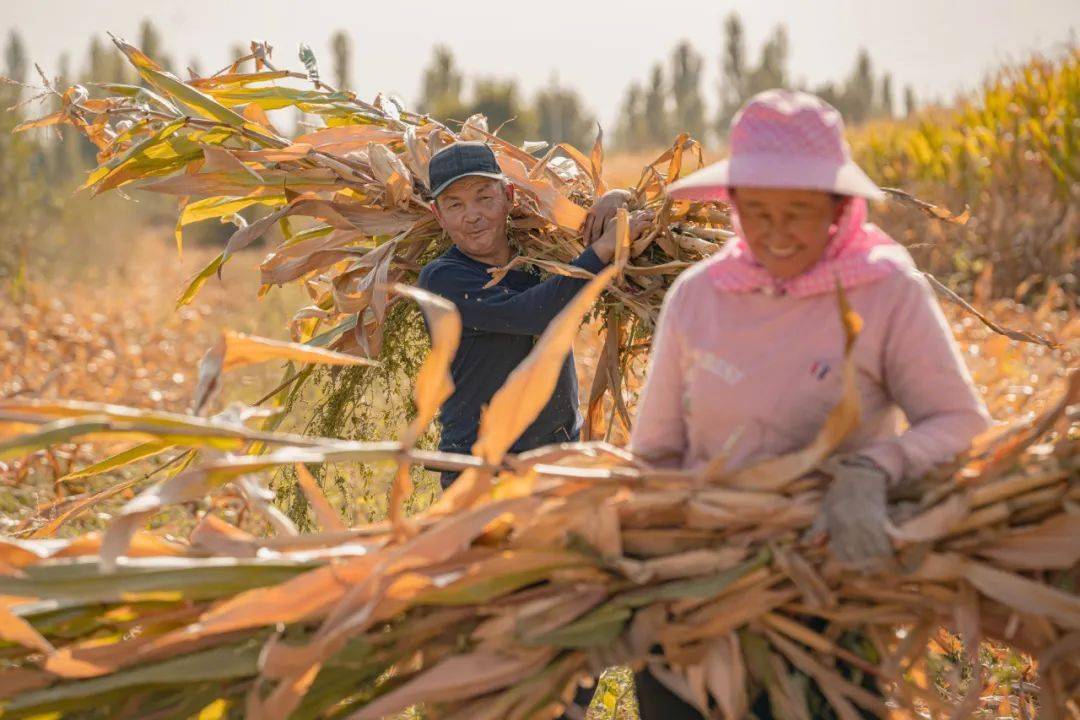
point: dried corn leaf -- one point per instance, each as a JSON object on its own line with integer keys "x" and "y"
{"x": 1053, "y": 543}
{"x": 521, "y": 398}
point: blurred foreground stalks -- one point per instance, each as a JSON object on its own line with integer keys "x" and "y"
{"x": 532, "y": 570}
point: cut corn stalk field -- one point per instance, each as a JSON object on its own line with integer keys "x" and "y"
{"x": 533, "y": 570}
{"x": 1021, "y": 129}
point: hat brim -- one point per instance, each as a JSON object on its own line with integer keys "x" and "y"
{"x": 775, "y": 172}
{"x": 494, "y": 176}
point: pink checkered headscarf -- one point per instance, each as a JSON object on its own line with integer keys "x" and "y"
{"x": 786, "y": 139}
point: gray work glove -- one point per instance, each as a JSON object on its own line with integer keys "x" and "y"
{"x": 854, "y": 513}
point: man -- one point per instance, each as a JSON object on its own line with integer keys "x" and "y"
{"x": 472, "y": 200}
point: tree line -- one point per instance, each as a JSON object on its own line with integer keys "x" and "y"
{"x": 670, "y": 100}
{"x": 37, "y": 175}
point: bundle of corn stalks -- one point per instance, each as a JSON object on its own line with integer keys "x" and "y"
{"x": 531, "y": 572}
{"x": 349, "y": 197}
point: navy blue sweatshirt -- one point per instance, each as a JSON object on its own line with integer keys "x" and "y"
{"x": 500, "y": 325}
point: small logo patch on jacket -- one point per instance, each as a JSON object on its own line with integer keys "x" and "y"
{"x": 718, "y": 366}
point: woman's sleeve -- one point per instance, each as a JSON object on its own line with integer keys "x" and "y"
{"x": 659, "y": 432}
{"x": 926, "y": 377}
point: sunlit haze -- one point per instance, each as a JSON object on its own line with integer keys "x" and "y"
{"x": 597, "y": 48}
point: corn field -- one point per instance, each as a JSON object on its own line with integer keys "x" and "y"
{"x": 1011, "y": 154}
{"x": 537, "y": 571}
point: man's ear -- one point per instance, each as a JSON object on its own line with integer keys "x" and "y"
{"x": 435, "y": 211}
{"x": 510, "y": 190}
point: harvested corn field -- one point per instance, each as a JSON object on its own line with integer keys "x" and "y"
{"x": 181, "y": 544}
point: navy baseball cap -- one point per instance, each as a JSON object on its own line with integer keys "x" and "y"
{"x": 459, "y": 160}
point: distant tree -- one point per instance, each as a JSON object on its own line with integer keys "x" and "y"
{"x": 656, "y": 111}
{"x": 689, "y": 109}
{"x": 96, "y": 60}
{"x": 771, "y": 71}
{"x": 63, "y": 69}
{"x": 630, "y": 129}
{"x": 830, "y": 94}
{"x": 16, "y": 66}
{"x": 739, "y": 81}
{"x": 858, "y": 99}
{"x": 105, "y": 63}
{"x": 150, "y": 43}
{"x": 341, "y": 46}
{"x": 885, "y": 99}
{"x": 29, "y": 196}
{"x": 732, "y": 72}
{"x": 499, "y": 100}
{"x": 561, "y": 116}
{"x": 910, "y": 105}
{"x": 440, "y": 94}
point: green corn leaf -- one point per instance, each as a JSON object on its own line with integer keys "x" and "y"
{"x": 172, "y": 86}
{"x": 597, "y": 629}
{"x": 196, "y": 283}
{"x": 310, "y": 64}
{"x": 118, "y": 460}
{"x": 218, "y": 665}
{"x": 171, "y": 579}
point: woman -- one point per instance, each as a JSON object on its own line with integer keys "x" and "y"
{"x": 747, "y": 353}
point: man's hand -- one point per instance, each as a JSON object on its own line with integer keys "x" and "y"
{"x": 640, "y": 223}
{"x": 855, "y": 514}
{"x": 603, "y": 209}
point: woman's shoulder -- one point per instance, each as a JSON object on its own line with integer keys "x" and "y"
{"x": 897, "y": 297}
{"x": 905, "y": 278}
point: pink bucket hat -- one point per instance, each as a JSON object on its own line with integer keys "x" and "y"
{"x": 782, "y": 139}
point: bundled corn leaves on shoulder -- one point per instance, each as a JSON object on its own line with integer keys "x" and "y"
{"x": 349, "y": 196}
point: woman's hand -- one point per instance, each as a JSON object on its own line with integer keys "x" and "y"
{"x": 601, "y": 212}
{"x": 855, "y": 514}
{"x": 640, "y": 223}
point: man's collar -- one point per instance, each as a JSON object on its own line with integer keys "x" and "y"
{"x": 462, "y": 254}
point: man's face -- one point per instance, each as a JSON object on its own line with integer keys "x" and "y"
{"x": 787, "y": 230}
{"x": 473, "y": 212}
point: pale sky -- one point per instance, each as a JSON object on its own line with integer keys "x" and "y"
{"x": 940, "y": 47}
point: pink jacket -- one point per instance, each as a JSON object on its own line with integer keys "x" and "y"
{"x": 761, "y": 370}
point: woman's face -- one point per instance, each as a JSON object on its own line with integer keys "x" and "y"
{"x": 787, "y": 230}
